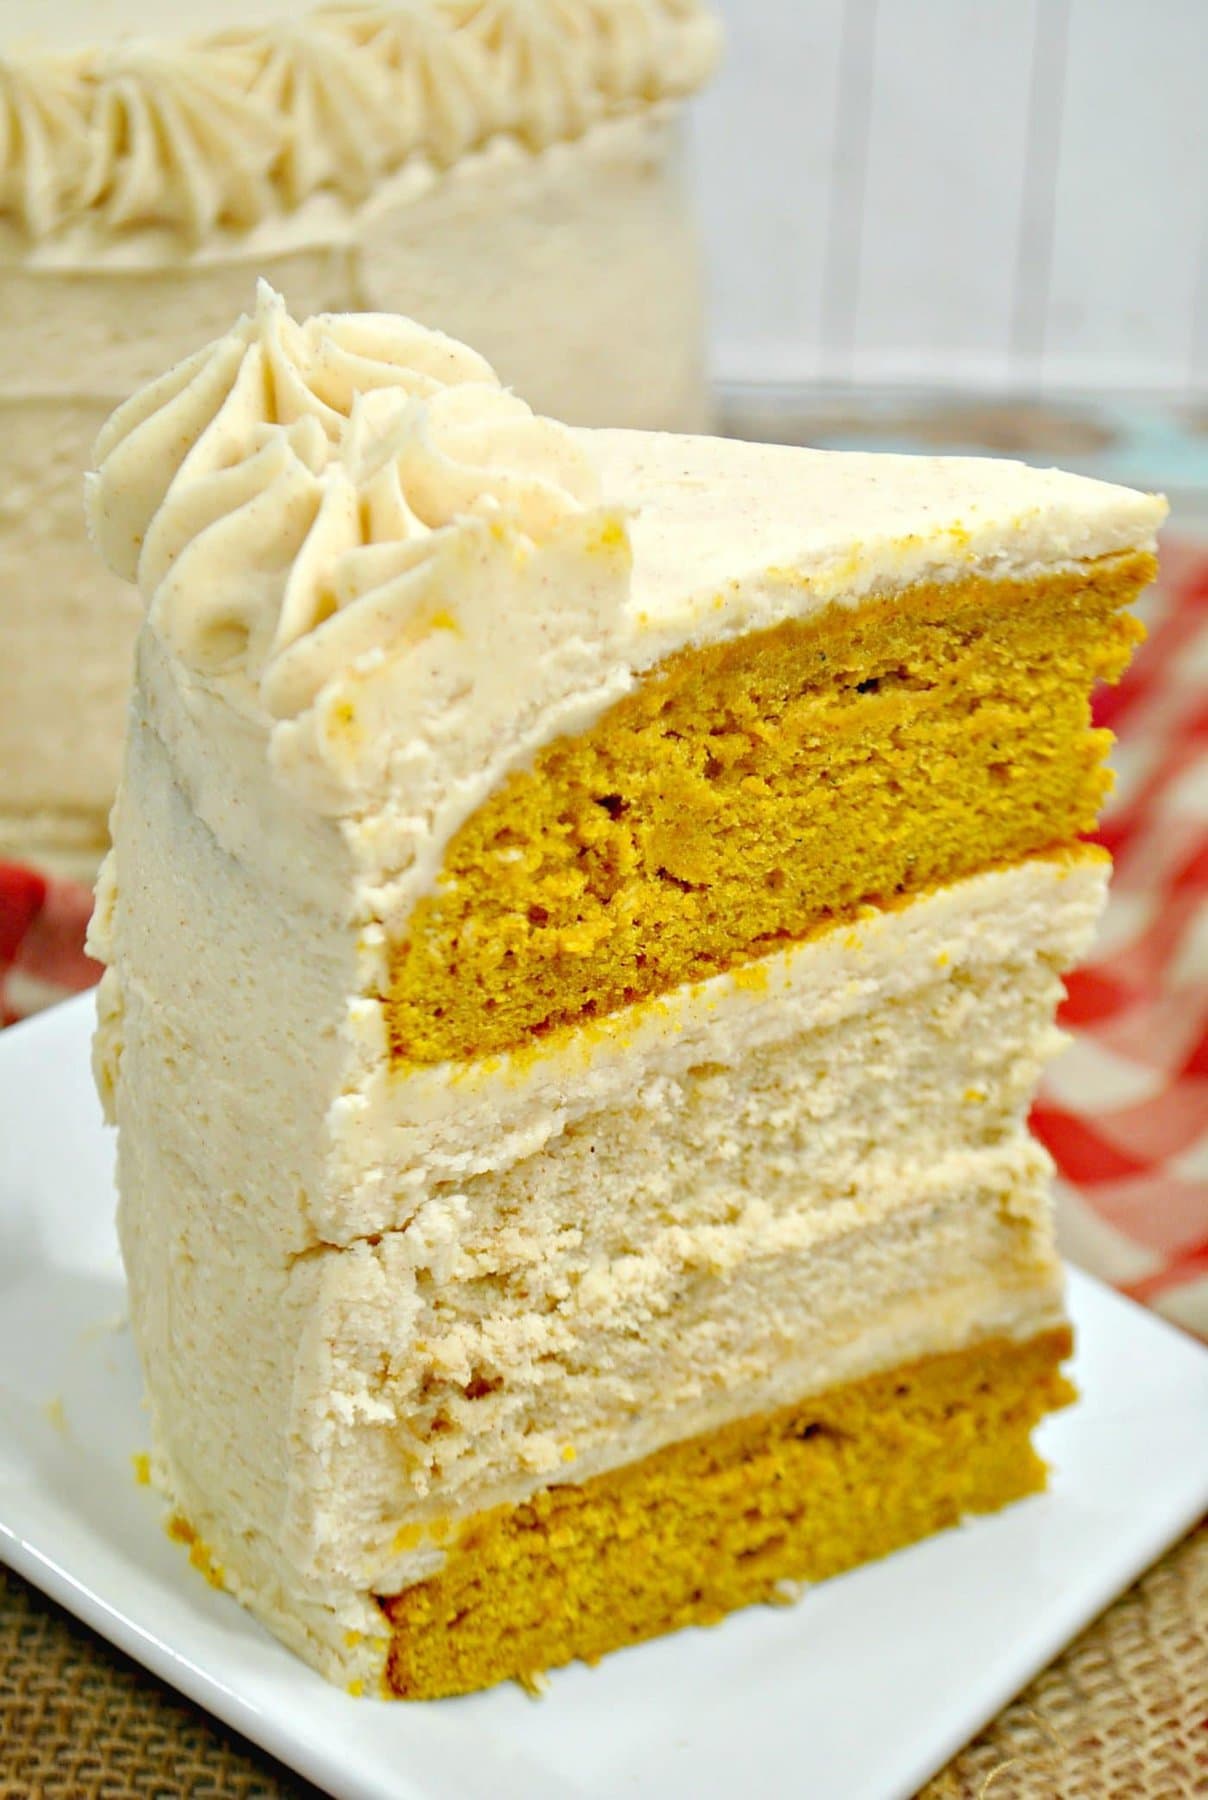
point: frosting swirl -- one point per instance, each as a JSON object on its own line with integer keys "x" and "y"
{"x": 44, "y": 145}
{"x": 439, "y": 76}
{"x": 175, "y": 138}
{"x": 214, "y": 410}
{"x": 287, "y": 497}
{"x": 221, "y": 131}
{"x": 477, "y": 449}
{"x": 332, "y": 105}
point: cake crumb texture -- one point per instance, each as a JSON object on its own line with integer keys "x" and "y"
{"x": 723, "y": 1520}
{"x": 753, "y": 792}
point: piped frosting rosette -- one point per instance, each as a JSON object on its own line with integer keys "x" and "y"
{"x": 222, "y": 131}
{"x": 297, "y": 502}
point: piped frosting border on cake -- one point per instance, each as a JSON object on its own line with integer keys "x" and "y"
{"x": 222, "y": 131}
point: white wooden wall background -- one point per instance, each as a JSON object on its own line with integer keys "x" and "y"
{"x": 996, "y": 194}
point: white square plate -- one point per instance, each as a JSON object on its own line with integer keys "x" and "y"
{"x": 858, "y": 1693}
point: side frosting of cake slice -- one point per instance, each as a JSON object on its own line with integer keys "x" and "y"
{"x": 584, "y": 926}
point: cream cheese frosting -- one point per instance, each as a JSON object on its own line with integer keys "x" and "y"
{"x": 303, "y": 442}
{"x": 298, "y": 538}
{"x": 220, "y": 131}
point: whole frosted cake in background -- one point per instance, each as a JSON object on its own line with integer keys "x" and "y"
{"x": 584, "y": 926}
{"x": 507, "y": 169}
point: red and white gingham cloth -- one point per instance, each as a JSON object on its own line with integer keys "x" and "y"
{"x": 42, "y": 926}
{"x": 1125, "y": 1110}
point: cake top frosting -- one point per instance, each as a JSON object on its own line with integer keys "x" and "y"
{"x": 220, "y": 131}
{"x": 349, "y": 530}
{"x": 282, "y": 498}
{"x": 729, "y": 536}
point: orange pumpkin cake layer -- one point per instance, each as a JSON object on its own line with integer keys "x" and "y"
{"x": 752, "y": 792}
{"x": 724, "y": 1520}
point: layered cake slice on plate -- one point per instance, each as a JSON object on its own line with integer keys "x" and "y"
{"x": 584, "y": 926}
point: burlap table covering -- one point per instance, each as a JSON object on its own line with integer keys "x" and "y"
{"x": 1123, "y": 1713}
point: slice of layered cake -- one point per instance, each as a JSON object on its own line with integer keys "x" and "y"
{"x": 584, "y": 925}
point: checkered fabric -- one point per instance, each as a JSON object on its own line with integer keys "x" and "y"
{"x": 42, "y": 926}
{"x": 1125, "y": 1111}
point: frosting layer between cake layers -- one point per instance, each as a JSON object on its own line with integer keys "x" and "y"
{"x": 511, "y": 171}
{"x": 378, "y": 1296}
